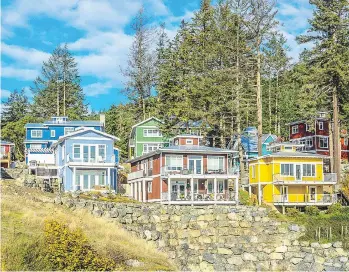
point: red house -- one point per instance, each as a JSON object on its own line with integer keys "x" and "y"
{"x": 316, "y": 139}
{"x": 6, "y": 153}
{"x": 185, "y": 172}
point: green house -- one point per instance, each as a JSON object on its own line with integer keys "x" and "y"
{"x": 146, "y": 137}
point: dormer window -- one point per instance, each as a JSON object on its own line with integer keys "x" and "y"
{"x": 321, "y": 125}
{"x": 189, "y": 142}
{"x": 294, "y": 129}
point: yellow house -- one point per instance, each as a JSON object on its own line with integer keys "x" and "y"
{"x": 289, "y": 178}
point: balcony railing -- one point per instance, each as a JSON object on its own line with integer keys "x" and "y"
{"x": 330, "y": 177}
{"x": 140, "y": 174}
{"x": 309, "y": 199}
{"x": 327, "y": 177}
{"x": 165, "y": 171}
{"x": 96, "y": 160}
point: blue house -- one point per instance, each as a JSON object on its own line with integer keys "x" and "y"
{"x": 249, "y": 143}
{"x": 41, "y": 136}
{"x": 87, "y": 160}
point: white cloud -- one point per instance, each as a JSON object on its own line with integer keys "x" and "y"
{"x": 96, "y": 89}
{"x": 26, "y": 56}
{"x": 5, "y": 93}
{"x": 19, "y": 73}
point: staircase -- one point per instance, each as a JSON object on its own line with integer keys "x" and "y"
{"x": 4, "y": 174}
{"x": 343, "y": 199}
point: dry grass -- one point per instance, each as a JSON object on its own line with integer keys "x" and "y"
{"x": 23, "y": 215}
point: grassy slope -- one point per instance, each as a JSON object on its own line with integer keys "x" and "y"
{"x": 23, "y": 217}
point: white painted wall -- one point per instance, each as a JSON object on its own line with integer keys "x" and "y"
{"x": 42, "y": 158}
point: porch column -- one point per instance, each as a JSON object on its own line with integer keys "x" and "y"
{"x": 249, "y": 190}
{"x": 192, "y": 189}
{"x": 169, "y": 190}
{"x": 215, "y": 188}
{"x": 109, "y": 178}
{"x": 236, "y": 191}
{"x": 160, "y": 189}
{"x": 139, "y": 190}
{"x": 131, "y": 185}
{"x": 74, "y": 177}
{"x": 259, "y": 194}
{"x": 143, "y": 190}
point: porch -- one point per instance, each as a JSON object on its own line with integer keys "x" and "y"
{"x": 200, "y": 191}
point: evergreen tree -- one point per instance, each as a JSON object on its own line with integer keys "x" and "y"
{"x": 329, "y": 58}
{"x": 15, "y": 108}
{"x": 140, "y": 71}
{"x": 57, "y": 90}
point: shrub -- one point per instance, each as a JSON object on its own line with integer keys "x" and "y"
{"x": 70, "y": 250}
{"x": 334, "y": 208}
{"x": 245, "y": 199}
{"x": 293, "y": 212}
{"x": 312, "y": 210}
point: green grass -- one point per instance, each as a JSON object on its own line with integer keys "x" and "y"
{"x": 23, "y": 244}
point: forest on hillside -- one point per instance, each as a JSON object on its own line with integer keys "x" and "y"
{"x": 228, "y": 67}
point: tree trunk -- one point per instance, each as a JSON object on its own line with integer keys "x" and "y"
{"x": 64, "y": 91}
{"x": 259, "y": 99}
{"x": 143, "y": 108}
{"x": 269, "y": 103}
{"x": 278, "y": 131}
{"x": 330, "y": 139}
{"x": 336, "y": 137}
{"x": 57, "y": 99}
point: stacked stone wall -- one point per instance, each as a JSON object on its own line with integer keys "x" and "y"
{"x": 221, "y": 238}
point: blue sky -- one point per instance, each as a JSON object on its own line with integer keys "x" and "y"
{"x": 98, "y": 34}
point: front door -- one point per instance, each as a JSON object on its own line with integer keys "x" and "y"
{"x": 298, "y": 172}
{"x": 312, "y": 193}
{"x": 195, "y": 164}
{"x": 284, "y": 193}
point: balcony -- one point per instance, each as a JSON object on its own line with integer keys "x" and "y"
{"x": 139, "y": 174}
{"x": 328, "y": 178}
{"x": 305, "y": 199}
{"x": 165, "y": 171}
{"x": 97, "y": 161}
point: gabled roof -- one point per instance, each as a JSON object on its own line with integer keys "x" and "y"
{"x": 192, "y": 149}
{"x": 2, "y": 142}
{"x": 67, "y": 123}
{"x": 82, "y": 130}
{"x": 295, "y": 154}
{"x": 144, "y": 121}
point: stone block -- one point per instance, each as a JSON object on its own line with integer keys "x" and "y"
{"x": 244, "y": 224}
{"x": 281, "y": 249}
{"x": 328, "y": 245}
{"x": 343, "y": 259}
{"x": 276, "y": 256}
{"x": 248, "y": 257}
{"x": 315, "y": 245}
{"x": 194, "y": 233}
{"x": 308, "y": 250}
{"x": 209, "y": 257}
{"x": 224, "y": 251}
{"x": 296, "y": 260}
{"x": 235, "y": 260}
{"x": 337, "y": 244}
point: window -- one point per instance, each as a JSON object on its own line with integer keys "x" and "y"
{"x": 68, "y": 130}
{"x": 35, "y": 146}
{"x": 150, "y": 163}
{"x": 323, "y": 142}
{"x": 76, "y": 152}
{"x": 152, "y": 133}
{"x": 287, "y": 169}
{"x": 77, "y": 179}
{"x": 150, "y": 186}
{"x": 147, "y": 148}
{"x": 215, "y": 163}
{"x": 306, "y": 127}
{"x": 294, "y": 129}
{"x": 174, "y": 162}
{"x": 220, "y": 184}
{"x": 85, "y": 153}
{"x": 101, "y": 152}
{"x": 189, "y": 141}
{"x": 321, "y": 125}
{"x": 85, "y": 185}
{"x": 210, "y": 186}
{"x": 53, "y": 133}
{"x": 309, "y": 170}
{"x": 288, "y": 147}
{"x": 346, "y": 141}
{"x": 253, "y": 170}
{"x": 36, "y": 133}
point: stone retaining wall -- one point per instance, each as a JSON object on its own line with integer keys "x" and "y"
{"x": 221, "y": 238}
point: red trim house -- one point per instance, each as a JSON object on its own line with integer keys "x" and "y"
{"x": 185, "y": 172}
{"x": 6, "y": 153}
{"x": 318, "y": 138}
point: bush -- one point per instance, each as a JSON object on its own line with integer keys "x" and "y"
{"x": 334, "y": 208}
{"x": 312, "y": 210}
{"x": 245, "y": 199}
{"x": 293, "y": 212}
{"x": 70, "y": 250}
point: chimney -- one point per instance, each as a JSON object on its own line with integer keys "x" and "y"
{"x": 102, "y": 120}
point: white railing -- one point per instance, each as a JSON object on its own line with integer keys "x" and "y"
{"x": 327, "y": 177}
{"x": 165, "y": 171}
{"x": 136, "y": 175}
{"x": 305, "y": 198}
{"x": 95, "y": 160}
{"x": 330, "y": 177}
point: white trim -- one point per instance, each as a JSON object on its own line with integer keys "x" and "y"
{"x": 53, "y": 134}
{"x": 202, "y": 162}
{"x": 173, "y": 156}
{"x": 36, "y": 130}
{"x": 213, "y": 156}
{"x": 90, "y": 138}
{"x": 295, "y": 129}
{"x": 72, "y": 129}
{"x": 321, "y": 125}
{"x": 310, "y": 187}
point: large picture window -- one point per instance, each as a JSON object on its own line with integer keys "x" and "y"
{"x": 215, "y": 164}
{"x": 287, "y": 169}
{"x": 174, "y": 162}
{"x": 309, "y": 170}
{"x": 152, "y": 133}
{"x": 36, "y": 133}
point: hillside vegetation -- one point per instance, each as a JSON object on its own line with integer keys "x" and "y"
{"x": 43, "y": 236}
